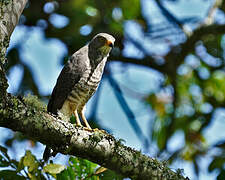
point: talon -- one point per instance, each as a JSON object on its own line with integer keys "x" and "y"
{"x": 88, "y": 129}
{"x": 78, "y": 125}
{"x": 96, "y": 129}
{"x": 101, "y": 130}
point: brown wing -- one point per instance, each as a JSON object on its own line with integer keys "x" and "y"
{"x": 69, "y": 76}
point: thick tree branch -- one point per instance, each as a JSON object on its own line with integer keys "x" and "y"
{"x": 10, "y": 12}
{"x": 29, "y": 117}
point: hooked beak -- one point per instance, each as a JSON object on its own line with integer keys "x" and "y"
{"x": 109, "y": 43}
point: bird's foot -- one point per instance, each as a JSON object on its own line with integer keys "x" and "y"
{"x": 88, "y": 129}
{"x": 99, "y": 130}
{"x": 78, "y": 125}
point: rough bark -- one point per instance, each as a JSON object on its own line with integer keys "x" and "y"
{"x": 10, "y": 12}
{"x": 28, "y": 116}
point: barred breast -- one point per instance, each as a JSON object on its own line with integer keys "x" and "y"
{"x": 86, "y": 87}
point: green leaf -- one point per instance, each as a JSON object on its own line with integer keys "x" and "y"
{"x": 30, "y": 161}
{"x": 67, "y": 174}
{"x": 53, "y": 168}
{"x": 108, "y": 175}
{"x": 82, "y": 167}
{"x": 20, "y": 165}
{"x": 11, "y": 175}
{"x": 100, "y": 170}
{"x": 63, "y": 176}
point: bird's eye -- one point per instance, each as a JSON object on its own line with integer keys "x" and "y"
{"x": 101, "y": 39}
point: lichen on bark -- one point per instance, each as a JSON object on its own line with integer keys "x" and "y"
{"x": 10, "y": 12}
{"x": 28, "y": 116}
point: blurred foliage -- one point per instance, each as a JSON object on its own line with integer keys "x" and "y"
{"x": 192, "y": 91}
{"x": 84, "y": 169}
{"x": 30, "y": 168}
{"x": 27, "y": 167}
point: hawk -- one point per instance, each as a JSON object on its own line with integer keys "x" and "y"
{"x": 79, "y": 80}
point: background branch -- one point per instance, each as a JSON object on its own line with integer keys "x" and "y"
{"x": 124, "y": 105}
{"x": 176, "y": 57}
{"x": 171, "y": 18}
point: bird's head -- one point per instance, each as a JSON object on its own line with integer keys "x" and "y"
{"x": 101, "y": 44}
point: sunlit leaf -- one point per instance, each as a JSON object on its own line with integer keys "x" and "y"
{"x": 67, "y": 174}
{"x": 100, "y": 170}
{"x": 53, "y": 168}
{"x": 30, "y": 161}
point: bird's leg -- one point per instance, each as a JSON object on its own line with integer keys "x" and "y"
{"x": 78, "y": 123}
{"x": 84, "y": 119}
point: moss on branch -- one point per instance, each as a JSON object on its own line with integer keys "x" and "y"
{"x": 28, "y": 116}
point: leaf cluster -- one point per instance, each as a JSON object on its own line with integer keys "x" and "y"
{"x": 28, "y": 167}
